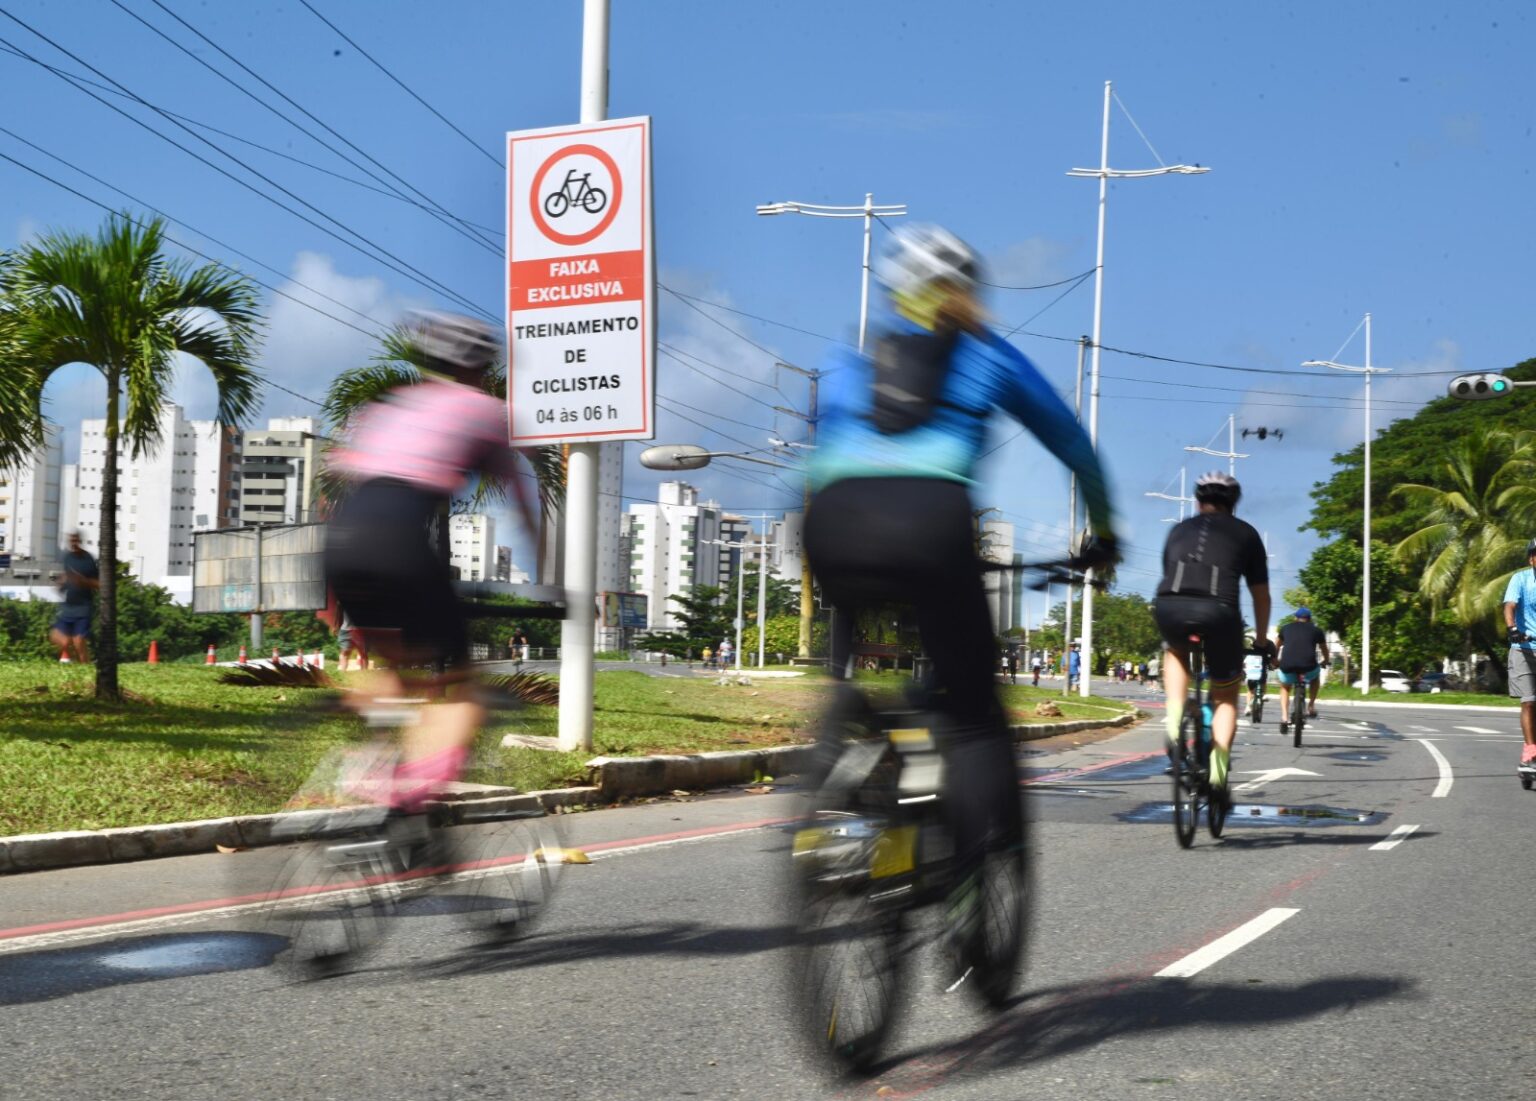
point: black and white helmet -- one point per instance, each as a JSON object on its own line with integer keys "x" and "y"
{"x": 452, "y": 343}
{"x": 1217, "y": 487}
{"x": 921, "y": 255}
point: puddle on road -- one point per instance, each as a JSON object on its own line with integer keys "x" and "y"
{"x": 60, "y": 972}
{"x": 1261, "y": 814}
{"x": 1357, "y": 755}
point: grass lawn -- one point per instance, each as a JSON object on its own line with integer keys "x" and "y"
{"x": 186, "y": 747}
{"x": 1449, "y": 699}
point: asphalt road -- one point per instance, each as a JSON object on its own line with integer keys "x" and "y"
{"x": 1300, "y": 956}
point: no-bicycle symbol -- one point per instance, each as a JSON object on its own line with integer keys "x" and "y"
{"x": 579, "y": 187}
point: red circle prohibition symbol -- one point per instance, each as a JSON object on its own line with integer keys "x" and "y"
{"x": 538, "y": 185}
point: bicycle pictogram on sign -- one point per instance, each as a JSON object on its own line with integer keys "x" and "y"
{"x": 576, "y": 191}
{"x": 578, "y": 196}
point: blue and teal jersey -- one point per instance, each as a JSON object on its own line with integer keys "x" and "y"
{"x": 1521, "y": 592}
{"x": 985, "y": 373}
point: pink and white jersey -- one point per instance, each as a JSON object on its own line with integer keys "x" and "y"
{"x": 432, "y": 435}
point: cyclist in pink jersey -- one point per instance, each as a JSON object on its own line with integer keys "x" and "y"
{"x": 406, "y": 457}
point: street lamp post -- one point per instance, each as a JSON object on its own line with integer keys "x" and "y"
{"x": 1231, "y": 454}
{"x": 1104, "y": 174}
{"x": 1181, "y": 499}
{"x": 868, "y": 211}
{"x": 1365, "y": 592}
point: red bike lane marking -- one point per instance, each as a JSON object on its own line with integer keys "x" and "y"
{"x": 1088, "y": 770}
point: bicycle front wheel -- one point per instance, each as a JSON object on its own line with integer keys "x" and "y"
{"x": 513, "y": 866}
{"x": 1186, "y": 781}
{"x": 1298, "y": 712}
{"x": 1004, "y": 926}
{"x": 851, "y": 974}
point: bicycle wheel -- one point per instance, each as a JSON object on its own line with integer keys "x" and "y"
{"x": 328, "y": 905}
{"x": 1215, "y": 817}
{"x": 1004, "y": 926}
{"x": 512, "y": 867}
{"x": 850, "y": 975}
{"x": 594, "y": 200}
{"x": 1186, "y": 783}
{"x": 556, "y": 203}
{"x": 1298, "y": 711}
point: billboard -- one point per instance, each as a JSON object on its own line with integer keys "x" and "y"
{"x": 291, "y": 568}
{"x": 630, "y": 611}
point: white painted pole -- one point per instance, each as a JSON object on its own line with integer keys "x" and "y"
{"x": 1232, "y": 444}
{"x": 1365, "y": 634}
{"x": 1093, "y": 389}
{"x": 1183, "y": 471}
{"x": 1077, "y": 410}
{"x": 741, "y": 589}
{"x": 762, "y": 594}
{"x": 576, "y": 632}
{"x": 869, "y": 219}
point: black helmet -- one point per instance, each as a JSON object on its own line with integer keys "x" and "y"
{"x": 1217, "y": 487}
{"x": 453, "y": 344}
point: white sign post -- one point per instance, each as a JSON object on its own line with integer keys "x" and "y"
{"x": 581, "y": 299}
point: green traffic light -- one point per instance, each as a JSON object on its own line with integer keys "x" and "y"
{"x": 1499, "y": 386}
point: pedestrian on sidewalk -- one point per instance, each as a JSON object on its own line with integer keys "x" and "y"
{"x": 79, "y": 579}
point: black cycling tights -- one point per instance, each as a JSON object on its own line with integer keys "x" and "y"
{"x": 909, "y": 541}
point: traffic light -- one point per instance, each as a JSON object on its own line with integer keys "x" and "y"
{"x": 1480, "y": 387}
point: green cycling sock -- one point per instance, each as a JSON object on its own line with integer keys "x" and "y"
{"x": 1172, "y": 717}
{"x": 1220, "y": 759}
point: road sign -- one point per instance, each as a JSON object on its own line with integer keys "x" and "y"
{"x": 626, "y": 610}
{"x": 581, "y": 295}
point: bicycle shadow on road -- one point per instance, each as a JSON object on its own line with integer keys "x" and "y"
{"x": 1053, "y": 1023}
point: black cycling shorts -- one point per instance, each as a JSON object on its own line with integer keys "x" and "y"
{"x": 386, "y": 575}
{"x": 1220, "y": 627}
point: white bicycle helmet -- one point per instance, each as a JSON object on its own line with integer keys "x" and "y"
{"x": 1217, "y": 487}
{"x": 452, "y": 343}
{"x": 921, "y": 255}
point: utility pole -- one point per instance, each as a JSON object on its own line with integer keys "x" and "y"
{"x": 1077, "y": 409}
{"x": 807, "y": 585}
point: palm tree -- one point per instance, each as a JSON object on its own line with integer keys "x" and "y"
{"x": 116, "y": 302}
{"x": 398, "y": 363}
{"x": 1475, "y": 524}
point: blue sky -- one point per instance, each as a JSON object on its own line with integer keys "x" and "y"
{"x": 1365, "y": 157}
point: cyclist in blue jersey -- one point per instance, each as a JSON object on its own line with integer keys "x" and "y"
{"x": 892, "y": 522}
{"x": 1520, "y": 619}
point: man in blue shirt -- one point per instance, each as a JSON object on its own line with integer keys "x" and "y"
{"x": 1520, "y": 620}
{"x": 78, "y": 582}
{"x": 1074, "y": 666}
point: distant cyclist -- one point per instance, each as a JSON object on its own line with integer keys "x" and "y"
{"x": 406, "y": 457}
{"x": 892, "y": 520}
{"x": 1520, "y": 620}
{"x": 1300, "y": 643}
{"x": 1255, "y": 672}
{"x": 1205, "y": 561}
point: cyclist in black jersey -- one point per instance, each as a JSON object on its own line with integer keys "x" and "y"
{"x": 1204, "y": 562}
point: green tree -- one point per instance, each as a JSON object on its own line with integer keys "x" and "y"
{"x": 783, "y": 637}
{"x": 1123, "y": 628}
{"x": 704, "y": 619}
{"x": 116, "y": 302}
{"x": 781, "y": 599}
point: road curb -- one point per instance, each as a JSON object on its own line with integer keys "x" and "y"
{"x": 1513, "y": 709}
{"x": 610, "y": 779}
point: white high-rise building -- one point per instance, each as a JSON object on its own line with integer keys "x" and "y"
{"x": 183, "y": 484}
{"x": 29, "y": 502}
{"x": 671, "y": 548}
{"x": 472, "y": 546}
{"x": 997, "y": 546}
{"x": 279, "y": 471}
{"x": 787, "y": 553}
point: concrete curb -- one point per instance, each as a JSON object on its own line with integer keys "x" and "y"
{"x": 1513, "y": 709}
{"x": 612, "y": 779}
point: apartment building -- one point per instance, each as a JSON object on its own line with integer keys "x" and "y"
{"x": 472, "y": 546}
{"x": 30, "y": 496}
{"x": 186, "y": 483}
{"x": 279, "y": 472}
{"x": 673, "y": 545}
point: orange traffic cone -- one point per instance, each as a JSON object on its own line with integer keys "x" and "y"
{"x": 64, "y": 657}
{"x": 154, "y": 651}
{"x": 241, "y": 659}
{"x": 213, "y": 655}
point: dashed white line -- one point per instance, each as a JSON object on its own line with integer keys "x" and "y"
{"x": 1393, "y": 839}
{"x": 1479, "y": 730}
{"x": 1444, "y": 786}
{"x": 1222, "y": 947}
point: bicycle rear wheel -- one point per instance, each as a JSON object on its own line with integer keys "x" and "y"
{"x": 329, "y": 905}
{"x": 1298, "y": 711}
{"x": 1004, "y": 926}
{"x": 851, "y": 974}
{"x": 1186, "y": 781}
{"x": 512, "y": 866}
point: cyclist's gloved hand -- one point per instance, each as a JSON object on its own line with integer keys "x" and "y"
{"x": 1097, "y": 551}
{"x": 1516, "y": 636}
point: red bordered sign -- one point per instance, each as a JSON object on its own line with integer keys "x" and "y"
{"x": 581, "y": 296}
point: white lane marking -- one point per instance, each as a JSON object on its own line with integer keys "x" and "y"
{"x": 1222, "y": 947}
{"x": 1444, "y": 786}
{"x": 1393, "y": 839}
{"x": 1424, "y": 729}
{"x": 1272, "y": 774}
{"x": 1479, "y": 730}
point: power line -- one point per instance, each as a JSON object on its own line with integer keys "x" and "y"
{"x": 380, "y": 66}
{"x": 400, "y": 266}
{"x": 677, "y": 354}
{"x": 1239, "y": 390}
{"x": 1038, "y": 286}
{"x": 269, "y": 85}
{"x": 753, "y": 316}
{"x": 716, "y": 321}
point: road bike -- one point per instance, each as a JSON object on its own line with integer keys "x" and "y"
{"x": 874, "y": 852}
{"x": 1192, "y": 757}
{"x": 575, "y": 191}
{"x": 1298, "y": 713}
{"x": 1256, "y": 700}
{"x": 357, "y": 862}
